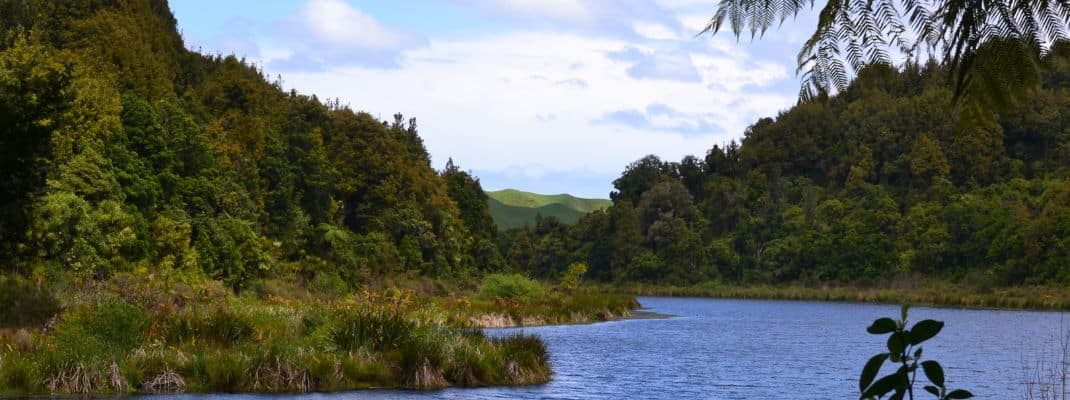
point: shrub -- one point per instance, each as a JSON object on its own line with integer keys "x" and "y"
{"x": 511, "y": 287}
{"x": 571, "y": 280}
{"x": 24, "y": 303}
{"x": 328, "y": 284}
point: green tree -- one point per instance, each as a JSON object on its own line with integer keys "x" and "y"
{"x": 573, "y": 276}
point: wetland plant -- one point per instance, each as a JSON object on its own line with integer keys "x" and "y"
{"x": 904, "y": 349}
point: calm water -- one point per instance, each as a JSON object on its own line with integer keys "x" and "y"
{"x": 745, "y": 349}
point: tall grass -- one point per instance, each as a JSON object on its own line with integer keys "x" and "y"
{"x": 114, "y": 346}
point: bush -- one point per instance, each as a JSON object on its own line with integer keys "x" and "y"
{"x": 510, "y": 287}
{"x": 572, "y": 278}
{"x": 24, "y": 303}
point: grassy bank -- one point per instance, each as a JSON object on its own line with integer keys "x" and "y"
{"x": 145, "y": 335}
{"x": 940, "y": 294}
{"x": 554, "y": 309}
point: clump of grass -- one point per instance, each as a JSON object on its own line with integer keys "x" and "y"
{"x": 510, "y": 287}
{"x": 363, "y": 370}
{"x": 17, "y": 374}
{"x": 372, "y": 329}
{"x": 226, "y": 371}
{"x": 526, "y": 358}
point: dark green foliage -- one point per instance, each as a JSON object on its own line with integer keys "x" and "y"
{"x": 35, "y": 90}
{"x": 25, "y": 304}
{"x": 873, "y": 185}
{"x": 146, "y": 157}
{"x": 903, "y": 350}
{"x": 471, "y": 201}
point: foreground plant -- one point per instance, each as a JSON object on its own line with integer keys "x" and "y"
{"x": 903, "y": 348}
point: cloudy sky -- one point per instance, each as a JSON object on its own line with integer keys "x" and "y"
{"x": 551, "y": 96}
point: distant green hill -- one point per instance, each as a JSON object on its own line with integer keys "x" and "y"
{"x": 513, "y": 208}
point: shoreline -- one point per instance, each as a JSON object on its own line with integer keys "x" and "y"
{"x": 635, "y": 314}
{"x": 1017, "y": 298}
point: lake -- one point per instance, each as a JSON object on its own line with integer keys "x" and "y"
{"x": 752, "y": 349}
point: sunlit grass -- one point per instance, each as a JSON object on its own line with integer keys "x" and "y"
{"x": 111, "y": 344}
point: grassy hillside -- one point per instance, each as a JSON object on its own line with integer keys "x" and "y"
{"x": 513, "y": 208}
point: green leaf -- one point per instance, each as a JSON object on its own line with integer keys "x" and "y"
{"x": 869, "y": 372}
{"x": 934, "y": 372}
{"x": 917, "y": 354}
{"x": 959, "y": 394}
{"x": 932, "y": 389}
{"x": 925, "y": 330}
{"x": 882, "y": 326}
{"x": 882, "y": 386}
{"x": 897, "y": 343}
{"x": 899, "y": 393}
{"x": 903, "y": 312}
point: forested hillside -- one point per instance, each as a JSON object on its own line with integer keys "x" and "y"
{"x": 148, "y": 158}
{"x": 875, "y": 183}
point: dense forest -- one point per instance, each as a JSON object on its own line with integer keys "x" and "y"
{"x": 151, "y": 159}
{"x": 876, "y": 183}
{"x": 147, "y": 158}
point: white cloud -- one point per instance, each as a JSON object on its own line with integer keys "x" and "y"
{"x": 490, "y": 108}
{"x": 574, "y": 11}
{"x": 654, "y": 30}
{"x": 328, "y": 33}
{"x": 566, "y": 103}
{"x": 338, "y": 23}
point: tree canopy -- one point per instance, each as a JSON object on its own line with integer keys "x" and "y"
{"x": 874, "y": 184}
{"x": 148, "y": 158}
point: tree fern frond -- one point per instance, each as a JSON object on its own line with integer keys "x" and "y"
{"x": 991, "y": 48}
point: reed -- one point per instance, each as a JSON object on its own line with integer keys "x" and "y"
{"x": 114, "y": 345}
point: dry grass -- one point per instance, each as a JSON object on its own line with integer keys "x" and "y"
{"x": 1046, "y": 377}
{"x": 933, "y": 294}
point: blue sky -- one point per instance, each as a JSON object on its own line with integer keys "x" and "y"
{"x": 550, "y": 96}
